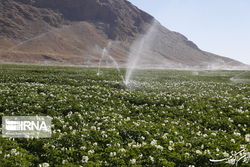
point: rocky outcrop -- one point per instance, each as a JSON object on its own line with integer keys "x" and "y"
{"x": 121, "y": 19}
{"x": 21, "y": 21}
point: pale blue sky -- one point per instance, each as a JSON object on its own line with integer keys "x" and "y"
{"x": 218, "y": 26}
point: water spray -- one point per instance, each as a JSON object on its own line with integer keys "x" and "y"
{"x": 105, "y": 54}
{"x": 136, "y": 51}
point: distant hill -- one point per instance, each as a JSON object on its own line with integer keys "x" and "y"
{"x": 73, "y": 32}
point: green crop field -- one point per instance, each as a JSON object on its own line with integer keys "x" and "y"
{"x": 163, "y": 118}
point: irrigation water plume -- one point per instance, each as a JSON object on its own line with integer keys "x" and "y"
{"x": 239, "y": 78}
{"x": 137, "y": 49}
{"x": 105, "y": 54}
{"x": 53, "y": 31}
{"x": 34, "y": 38}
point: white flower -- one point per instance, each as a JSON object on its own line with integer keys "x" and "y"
{"x": 127, "y": 119}
{"x": 237, "y": 134}
{"x": 14, "y": 152}
{"x": 44, "y": 165}
{"x": 83, "y": 148}
{"x": 231, "y": 161}
{"x": 159, "y": 147}
{"x": 225, "y": 154}
{"x": 133, "y": 161}
{"x": 214, "y": 134}
{"x": 154, "y": 142}
{"x": 170, "y": 148}
{"x": 188, "y": 145}
{"x": 91, "y": 151}
{"x": 247, "y": 138}
{"x": 122, "y": 150}
{"x": 85, "y": 159}
{"x": 243, "y": 146}
{"x": 64, "y": 162}
{"x": 165, "y": 136}
{"x": 207, "y": 152}
{"x": 6, "y": 155}
{"x": 137, "y": 145}
{"x": 151, "y": 158}
{"x": 198, "y": 152}
{"x": 112, "y": 154}
{"x": 230, "y": 120}
{"x": 232, "y": 140}
{"x": 43, "y": 94}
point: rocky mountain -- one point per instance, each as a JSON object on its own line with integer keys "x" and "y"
{"x": 74, "y": 32}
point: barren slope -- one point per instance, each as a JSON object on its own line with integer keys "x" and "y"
{"x": 75, "y": 31}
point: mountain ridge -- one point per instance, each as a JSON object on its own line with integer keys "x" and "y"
{"x": 74, "y": 32}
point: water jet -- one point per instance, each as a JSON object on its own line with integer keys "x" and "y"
{"x": 138, "y": 48}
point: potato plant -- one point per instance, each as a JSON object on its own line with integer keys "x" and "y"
{"x": 162, "y": 118}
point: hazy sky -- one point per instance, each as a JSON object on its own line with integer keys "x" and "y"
{"x": 218, "y": 26}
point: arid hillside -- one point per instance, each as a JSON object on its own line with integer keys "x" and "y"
{"x": 74, "y": 32}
